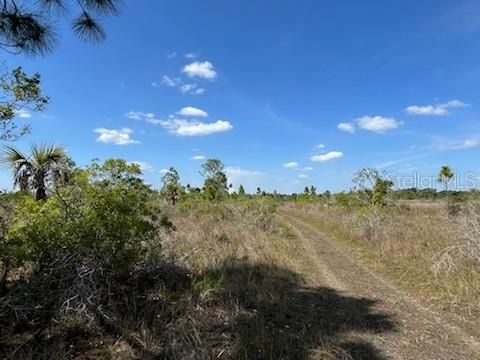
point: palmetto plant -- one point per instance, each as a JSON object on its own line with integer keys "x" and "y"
{"x": 34, "y": 172}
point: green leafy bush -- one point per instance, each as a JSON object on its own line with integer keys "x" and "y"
{"x": 103, "y": 213}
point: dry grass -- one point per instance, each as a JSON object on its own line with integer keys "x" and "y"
{"x": 422, "y": 248}
{"x": 230, "y": 289}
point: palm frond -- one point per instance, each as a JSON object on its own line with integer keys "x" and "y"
{"x": 46, "y": 155}
{"x": 10, "y": 157}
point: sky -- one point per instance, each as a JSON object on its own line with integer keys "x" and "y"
{"x": 285, "y": 93}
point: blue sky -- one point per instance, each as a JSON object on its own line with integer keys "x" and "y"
{"x": 285, "y": 93}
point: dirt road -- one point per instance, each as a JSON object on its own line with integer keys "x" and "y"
{"x": 419, "y": 332}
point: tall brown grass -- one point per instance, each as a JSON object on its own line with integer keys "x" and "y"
{"x": 225, "y": 285}
{"x": 422, "y": 247}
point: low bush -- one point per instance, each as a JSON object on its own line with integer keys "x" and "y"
{"x": 109, "y": 219}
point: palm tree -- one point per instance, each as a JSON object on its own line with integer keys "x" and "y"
{"x": 33, "y": 172}
{"x": 445, "y": 175}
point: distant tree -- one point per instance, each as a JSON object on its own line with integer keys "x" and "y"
{"x": 19, "y": 93}
{"x": 26, "y": 27}
{"x": 37, "y": 170}
{"x": 241, "y": 190}
{"x": 375, "y": 187}
{"x": 381, "y": 189}
{"x": 313, "y": 190}
{"x": 327, "y": 194}
{"x": 306, "y": 191}
{"x": 259, "y": 191}
{"x": 172, "y": 189}
{"x": 116, "y": 171}
{"x": 216, "y": 183}
{"x": 445, "y": 175}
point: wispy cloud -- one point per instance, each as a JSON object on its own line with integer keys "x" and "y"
{"x": 346, "y": 127}
{"x": 116, "y": 137}
{"x": 143, "y": 165}
{"x": 198, "y": 157}
{"x": 23, "y": 113}
{"x": 192, "y": 89}
{"x": 172, "y": 55}
{"x": 320, "y": 146}
{"x": 332, "y": 155}
{"x": 147, "y": 117}
{"x": 197, "y": 69}
{"x": 461, "y": 145}
{"x": 303, "y": 176}
{"x": 390, "y": 163}
{"x": 168, "y": 81}
{"x": 435, "y": 110}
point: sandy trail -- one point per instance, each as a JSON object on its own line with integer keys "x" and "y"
{"x": 420, "y": 334}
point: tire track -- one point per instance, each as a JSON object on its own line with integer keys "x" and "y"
{"x": 422, "y": 333}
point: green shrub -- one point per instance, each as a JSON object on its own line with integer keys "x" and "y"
{"x": 103, "y": 213}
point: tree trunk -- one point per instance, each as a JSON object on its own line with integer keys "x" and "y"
{"x": 40, "y": 193}
{"x": 3, "y": 279}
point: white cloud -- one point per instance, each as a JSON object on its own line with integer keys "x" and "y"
{"x": 303, "y": 176}
{"x": 148, "y": 117}
{"x": 143, "y": 165}
{"x": 204, "y": 70}
{"x": 191, "y": 56}
{"x": 347, "y": 127}
{"x": 232, "y": 171}
{"x": 164, "y": 171}
{"x": 435, "y": 110}
{"x": 172, "y": 55}
{"x": 192, "y": 89}
{"x": 426, "y": 110}
{"x": 237, "y": 176}
{"x": 463, "y": 145}
{"x": 168, "y": 81}
{"x": 378, "y": 124}
{"x": 182, "y": 127}
{"x": 332, "y": 155}
{"x": 320, "y": 146}
{"x": 117, "y": 137}
{"x": 291, "y": 165}
{"x": 198, "y": 157}
{"x": 186, "y": 88}
{"x": 191, "y": 111}
{"x": 23, "y": 113}
{"x": 307, "y": 168}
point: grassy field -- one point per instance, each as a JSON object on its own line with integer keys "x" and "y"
{"x": 419, "y": 245}
{"x": 226, "y": 286}
{"x": 232, "y": 280}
